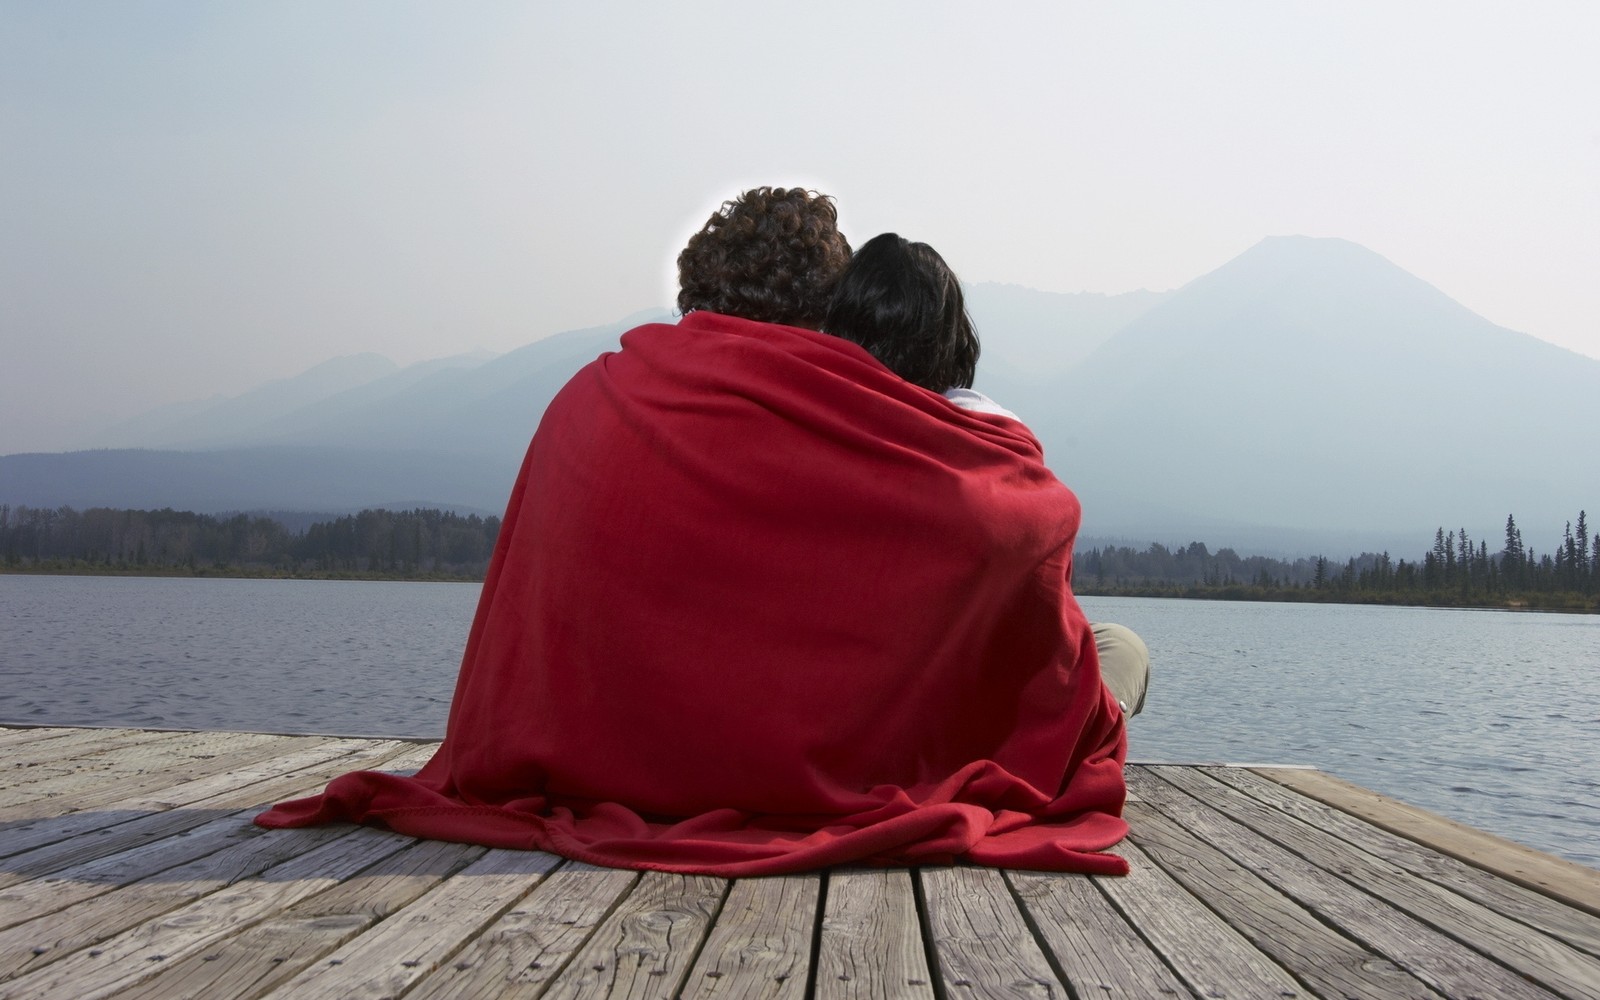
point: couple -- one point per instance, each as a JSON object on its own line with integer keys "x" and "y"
{"x": 767, "y": 599}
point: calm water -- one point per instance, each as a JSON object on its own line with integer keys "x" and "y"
{"x": 1491, "y": 718}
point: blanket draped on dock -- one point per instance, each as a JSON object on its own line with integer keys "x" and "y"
{"x": 760, "y": 606}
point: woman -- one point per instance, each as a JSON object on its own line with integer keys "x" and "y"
{"x": 901, "y": 302}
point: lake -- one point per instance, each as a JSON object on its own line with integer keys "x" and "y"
{"x": 1491, "y": 718}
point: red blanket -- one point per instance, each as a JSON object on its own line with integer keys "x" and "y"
{"x": 760, "y": 606}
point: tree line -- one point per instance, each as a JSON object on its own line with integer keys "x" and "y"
{"x": 1457, "y": 571}
{"x": 429, "y": 544}
{"x": 434, "y": 544}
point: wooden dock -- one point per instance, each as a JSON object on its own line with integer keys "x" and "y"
{"x": 129, "y": 868}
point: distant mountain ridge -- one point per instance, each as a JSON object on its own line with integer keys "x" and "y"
{"x": 221, "y": 419}
{"x": 263, "y": 478}
{"x": 1306, "y": 390}
{"x": 1036, "y": 337}
{"x": 1312, "y": 384}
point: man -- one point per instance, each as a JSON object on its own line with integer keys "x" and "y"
{"x": 759, "y": 606}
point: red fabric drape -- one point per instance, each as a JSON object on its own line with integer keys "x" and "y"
{"x": 760, "y": 606}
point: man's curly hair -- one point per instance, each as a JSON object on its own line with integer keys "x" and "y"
{"x": 771, "y": 255}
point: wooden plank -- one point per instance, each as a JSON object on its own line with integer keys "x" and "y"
{"x": 37, "y": 942}
{"x": 1098, "y": 952}
{"x": 81, "y": 742}
{"x": 34, "y": 763}
{"x": 169, "y": 891}
{"x": 1325, "y": 960}
{"x": 870, "y": 946}
{"x": 1445, "y": 964}
{"x": 130, "y": 956}
{"x": 89, "y": 780}
{"x": 760, "y": 946}
{"x": 75, "y": 742}
{"x": 1572, "y": 883}
{"x": 517, "y": 956}
{"x": 1575, "y": 926}
{"x": 387, "y": 960}
{"x": 979, "y": 938}
{"x": 13, "y": 736}
{"x": 34, "y": 943}
{"x": 645, "y": 947}
{"x": 1208, "y": 954}
{"x": 264, "y": 956}
{"x": 269, "y": 780}
{"x": 48, "y": 843}
{"x": 1558, "y": 966}
{"x": 76, "y": 883}
{"x": 140, "y": 772}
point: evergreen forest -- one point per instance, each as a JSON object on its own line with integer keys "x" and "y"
{"x": 373, "y": 544}
{"x": 1458, "y": 571}
{"x": 427, "y": 544}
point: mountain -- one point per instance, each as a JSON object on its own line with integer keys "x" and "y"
{"x": 490, "y": 409}
{"x": 241, "y": 479}
{"x": 1307, "y": 396}
{"x": 1036, "y": 337}
{"x": 222, "y": 420}
{"x": 449, "y": 433}
{"x": 1311, "y": 384}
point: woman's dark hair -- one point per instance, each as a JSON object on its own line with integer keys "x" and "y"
{"x": 902, "y": 303}
{"x": 772, "y": 255}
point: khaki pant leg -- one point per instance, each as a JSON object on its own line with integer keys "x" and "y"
{"x": 1124, "y": 665}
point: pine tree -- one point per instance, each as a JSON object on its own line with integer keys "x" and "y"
{"x": 1582, "y": 562}
{"x": 1511, "y": 556}
{"x": 1567, "y": 561}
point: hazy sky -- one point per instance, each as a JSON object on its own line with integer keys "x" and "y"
{"x": 196, "y": 197}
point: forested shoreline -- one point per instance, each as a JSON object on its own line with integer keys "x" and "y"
{"x": 422, "y": 544}
{"x": 1457, "y": 571}
{"x": 429, "y": 544}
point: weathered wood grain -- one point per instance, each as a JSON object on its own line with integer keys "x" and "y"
{"x": 267, "y": 954}
{"x": 90, "y": 780}
{"x": 517, "y": 956}
{"x": 33, "y": 765}
{"x": 43, "y": 940}
{"x": 1208, "y": 954}
{"x": 1572, "y": 883}
{"x": 394, "y": 954}
{"x": 1535, "y": 955}
{"x": 1325, "y": 960}
{"x": 760, "y": 948}
{"x": 870, "y": 945}
{"x": 126, "y": 958}
{"x": 13, "y": 736}
{"x": 1577, "y": 927}
{"x": 51, "y": 843}
{"x": 150, "y": 770}
{"x": 1098, "y": 952}
{"x": 299, "y": 759}
{"x": 159, "y": 886}
{"x": 1437, "y": 959}
{"x": 645, "y": 947}
{"x": 76, "y": 883}
{"x": 75, "y": 742}
{"x": 979, "y": 938}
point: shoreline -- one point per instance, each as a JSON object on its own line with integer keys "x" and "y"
{"x": 1561, "y": 603}
{"x": 238, "y": 573}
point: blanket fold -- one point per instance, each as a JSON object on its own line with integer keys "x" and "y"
{"x": 760, "y": 606}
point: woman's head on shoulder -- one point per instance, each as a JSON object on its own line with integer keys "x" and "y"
{"x": 901, "y": 302}
{"x": 772, "y": 255}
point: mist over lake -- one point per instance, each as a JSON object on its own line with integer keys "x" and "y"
{"x": 1486, "y": 717}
